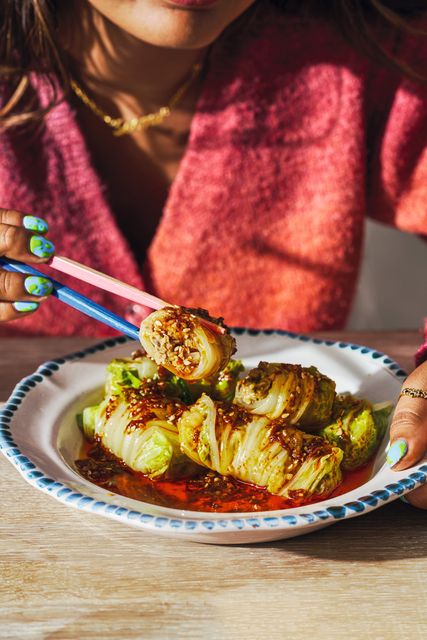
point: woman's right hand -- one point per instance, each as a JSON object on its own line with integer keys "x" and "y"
{"x": 22, "y": 238}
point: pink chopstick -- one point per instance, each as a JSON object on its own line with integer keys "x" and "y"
{"x": 112, "y": 285}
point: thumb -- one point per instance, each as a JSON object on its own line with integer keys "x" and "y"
{"x": 408, "y": 432}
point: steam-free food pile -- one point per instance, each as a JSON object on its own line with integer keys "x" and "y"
{"x": 180, "y": 424}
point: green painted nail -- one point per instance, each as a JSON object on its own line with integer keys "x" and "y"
{"x": 32, "y": 223}
{"x": 41, "y": 247}
{"x": 24, "y": 307}
{"x": 396, "y": 452}
{"x": 38, "y": 286}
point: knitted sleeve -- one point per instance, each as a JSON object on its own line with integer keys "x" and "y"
{"x": 421, "y": 355}
{"x": 397, "y": 144}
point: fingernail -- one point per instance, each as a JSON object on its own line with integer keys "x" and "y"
{"x": 32, "y": 223}
{"x": 24, "y": 307}
{"x": 41, "y": 247}
{"x": 396, "y": 452}
{"x": 38, "y": 286}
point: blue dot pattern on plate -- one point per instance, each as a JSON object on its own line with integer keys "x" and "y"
{"x": 81, "y": 501}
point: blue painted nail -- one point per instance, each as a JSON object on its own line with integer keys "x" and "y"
{"x": 24, "y": 307}
{"x": 32, "y": 223}
{"x": 396, "y": 452}
{"x": 38, "y": 286}
{"x": 41, "y": 247}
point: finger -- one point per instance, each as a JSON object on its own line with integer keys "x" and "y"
{"x": 14, "y": 310}
{"x": 20, "y": 244}
{"x": 409, "y": 426}
{"x": 418, "y": 498}
{"x": 18, "y": 219}
{"x": 14, "y": 286}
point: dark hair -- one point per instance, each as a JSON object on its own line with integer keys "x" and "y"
{"x": 29, "y": 41}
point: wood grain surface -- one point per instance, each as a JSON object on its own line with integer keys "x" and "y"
{"x": 71, "y": 575}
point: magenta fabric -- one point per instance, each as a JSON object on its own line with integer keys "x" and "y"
{"x": 421, "y": 355}
{"x": 296, "y": 138}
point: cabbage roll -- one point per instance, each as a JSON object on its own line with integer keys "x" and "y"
{"x": 176, "y": 339}
{"x": 299, "y": 395}
{"x": 357, "y": 427}
{"x": 141, "y": 430}
{"x": 222, "y": 386}
{"x": 283, "y": 459}
{"x": 137, "y": 372}
{"x": 142, "y": 373}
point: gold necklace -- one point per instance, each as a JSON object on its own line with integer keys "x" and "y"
{"x": 140, "y": 123}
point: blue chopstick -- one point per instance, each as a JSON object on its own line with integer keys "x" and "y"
{"x": 76, "y": 300}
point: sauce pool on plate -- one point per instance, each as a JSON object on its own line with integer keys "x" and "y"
{"x": 207, "y": 492}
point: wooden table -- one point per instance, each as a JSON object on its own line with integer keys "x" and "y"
{"x": 66, "y": 574}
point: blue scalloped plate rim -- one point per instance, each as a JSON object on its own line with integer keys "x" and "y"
{"x": 67, "y": 495}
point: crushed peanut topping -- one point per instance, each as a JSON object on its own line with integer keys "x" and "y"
{"x": 177, "y": 346}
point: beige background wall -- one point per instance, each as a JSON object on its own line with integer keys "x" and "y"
{"x": 392, "y": 290}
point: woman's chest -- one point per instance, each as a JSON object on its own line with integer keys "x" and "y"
{"x": 137, "y": 172}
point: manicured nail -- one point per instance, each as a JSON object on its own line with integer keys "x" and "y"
{"x": 32, "y": 223}
{"x": 38, "y": 286}
{"x": 41, "y": 247}
{"x": 396, "y": 452}
{"x": 24, "y": 307}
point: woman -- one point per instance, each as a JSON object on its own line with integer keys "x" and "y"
{"x": 266, "y": 138}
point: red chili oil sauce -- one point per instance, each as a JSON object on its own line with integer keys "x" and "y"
{"x": 207, "y": 492}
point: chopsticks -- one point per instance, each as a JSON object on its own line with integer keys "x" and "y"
{"x": 76, "y": 300}
{"x": 108, "y": 283}
{"x": 101, "y": 281}
{"x": 112, "y": 285}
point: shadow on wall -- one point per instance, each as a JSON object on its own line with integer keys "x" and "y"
{"x": 392, "y": 289}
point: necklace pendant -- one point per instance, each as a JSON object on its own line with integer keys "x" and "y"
{"x": 142, "y": 123}
{"x": 153, "y": 119}
{"x": 128, "y": 126}
{"x": 121, "y": 127}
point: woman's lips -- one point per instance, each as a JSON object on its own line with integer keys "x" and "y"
{"x": 193, "y": 4}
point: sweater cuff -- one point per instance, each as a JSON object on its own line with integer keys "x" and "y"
{"x": 421, "y": 355}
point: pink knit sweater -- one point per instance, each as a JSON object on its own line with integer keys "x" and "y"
{"x": 295, "y": 140}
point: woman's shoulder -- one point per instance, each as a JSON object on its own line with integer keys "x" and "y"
{"x": 286, "y": 39}
{"x": 276, "y": 56}
{"x": 295, "y": 36}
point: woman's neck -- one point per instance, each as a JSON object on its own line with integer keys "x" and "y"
{"x": 112, "y": 62}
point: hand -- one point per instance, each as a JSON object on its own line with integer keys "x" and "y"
{"x": 22, "y": 238}
{"x": 409, "y": 433}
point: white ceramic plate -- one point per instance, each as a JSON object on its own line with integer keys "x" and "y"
{"x": 40, "y": 437}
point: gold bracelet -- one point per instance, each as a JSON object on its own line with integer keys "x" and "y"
{"x": 414, "y": 393}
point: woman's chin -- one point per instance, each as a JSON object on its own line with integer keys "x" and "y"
{"x": 166, "y": 23}
{"x": 179, "y": 32}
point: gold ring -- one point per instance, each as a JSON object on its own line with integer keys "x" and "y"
{"x": 414, "y": 393}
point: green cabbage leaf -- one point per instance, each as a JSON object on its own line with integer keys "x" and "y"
{"x": 299, "y": 395}
{"x": 357, "y": 428}
{"x": 140, "y": 430}
{"x": 285, "y": 460}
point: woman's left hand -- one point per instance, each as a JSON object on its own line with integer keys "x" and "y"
{"x": 409, "y": 432}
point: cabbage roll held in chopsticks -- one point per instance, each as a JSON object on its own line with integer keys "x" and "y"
{"x": 283, "y": 459}
{"x": 299, "y": 395}
{"x": 177, "y": 339}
